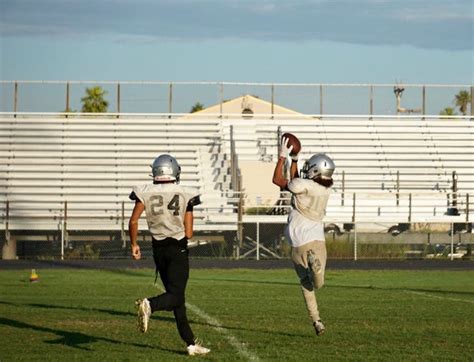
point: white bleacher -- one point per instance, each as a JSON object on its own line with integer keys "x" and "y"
{"x": 423, "y": 152}
{"x": 92, "y": 163}
{"x": 382, "y": 156}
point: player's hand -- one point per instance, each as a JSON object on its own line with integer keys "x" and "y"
{"x": 285, "y": 150}
{"x": 136, "y": 253}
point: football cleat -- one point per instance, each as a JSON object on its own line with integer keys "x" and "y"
{"x": 319, "y": 328}
{"x": 196, "y": 349}
{"x": 144, "y": 313}
{"x": 314, "y": 267}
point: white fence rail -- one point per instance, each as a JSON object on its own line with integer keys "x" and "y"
{"x": 179, "y": 97}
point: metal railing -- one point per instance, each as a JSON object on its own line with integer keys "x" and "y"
{"x": 365, "y": 207}
{"x": 373, "y": 213}
{"x": 179, "y": 97}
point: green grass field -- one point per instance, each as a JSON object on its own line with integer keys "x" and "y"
{"x": 241, "y": 315}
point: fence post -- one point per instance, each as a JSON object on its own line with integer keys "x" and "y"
{"x": 454, "y": 197}
{"x": 321, "y": 100}
{"x": 64, "y": 230}
{"x": 354, "y": 223}
{"x": 67, "y": 98}
{"x": 258, "y": 240}
{"x": 467, "y": 208}
{"x": 409, "y": 208}
{"x": 233, "y": 174}
{"x": 118, "y": 99}
{"x": 343, "y": 187}
{"x": 423, "y": 104}
{"x": 221, "y": 96}
{"x": 7, "y": 220}
{"x": 371, "y": 101}
{"x": 15, "y": 99}
{"x": 273, "y": 100}
{"x": 122, "y": 234}
{"x": 240, "y": 226}
{"x": 398, "y": 188}
{"x": 9, "y": 249}
{"x": 452, "y": 240}
{"x": 170, "y": 99}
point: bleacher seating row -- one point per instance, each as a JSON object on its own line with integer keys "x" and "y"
{"x": 384, "y": 154}
{"x": 379, "y": 157}
{"x": 77, "y": 172}
{"x": 83, "y": 168}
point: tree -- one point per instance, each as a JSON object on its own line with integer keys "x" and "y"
{"x": 94, "y": 101}
{"x": 462, "y": 99}
{"x": 197, "y": 107}
{"x": 448, "y": 111}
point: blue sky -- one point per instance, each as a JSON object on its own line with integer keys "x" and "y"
{"x": 305, "y": 41}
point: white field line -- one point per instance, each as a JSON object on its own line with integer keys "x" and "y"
{"x": 438, "y": 297}
{"x": 240, "y": 347}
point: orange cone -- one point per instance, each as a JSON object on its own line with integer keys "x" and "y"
{"x": 34, "y": 276}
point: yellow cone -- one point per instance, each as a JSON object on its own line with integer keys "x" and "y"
{"x": 34, "y": 276}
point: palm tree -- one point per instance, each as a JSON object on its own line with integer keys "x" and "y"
{"x": 197, "y": 107}
{"x": 94, "y": 101}
{"x": 448, "y": 111}
{"x": 462, "y": 99}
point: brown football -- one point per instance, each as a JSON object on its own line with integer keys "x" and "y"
{"x": 293, "y": 141}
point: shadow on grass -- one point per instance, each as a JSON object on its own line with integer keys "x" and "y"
{"x": 435, "y": 291}
{"x": 76, "y": 340}
{"x": 88, "y": 310}
{"x": 140, "y": 273}
{"x": 328, "y": 285}
{"x": 154, "y": 317}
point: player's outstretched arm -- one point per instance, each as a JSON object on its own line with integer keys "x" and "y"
{"x": 278, "y": 178}
{"x": 284, "y": 151}
{"x": 133, "y": 229}
{"x": 294, "y": 168}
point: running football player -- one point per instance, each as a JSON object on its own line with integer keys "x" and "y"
{"x": 169, "y": 214}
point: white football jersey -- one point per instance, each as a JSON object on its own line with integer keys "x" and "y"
{"x": 165, "y": 206}
{"x": 309, "y": 200}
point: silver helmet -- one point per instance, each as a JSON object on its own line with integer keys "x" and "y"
{"x": 318, "y": 165}
{"x": 166, "y": 168}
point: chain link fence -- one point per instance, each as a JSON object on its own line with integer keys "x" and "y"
{"x": 267, "y": 241}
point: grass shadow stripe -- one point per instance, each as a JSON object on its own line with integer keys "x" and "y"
{"x": 424, "y": 294}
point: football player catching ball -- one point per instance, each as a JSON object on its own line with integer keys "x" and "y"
{"x": 305, "y": 228}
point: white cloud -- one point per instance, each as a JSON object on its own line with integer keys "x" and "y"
{"x": 433, "y": 14}
{"x": 419, "y": 23}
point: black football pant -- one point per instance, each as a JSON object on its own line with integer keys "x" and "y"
{"x": 172, "y": 263}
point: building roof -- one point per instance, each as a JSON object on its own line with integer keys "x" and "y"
{"x": 247, "y": 105}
